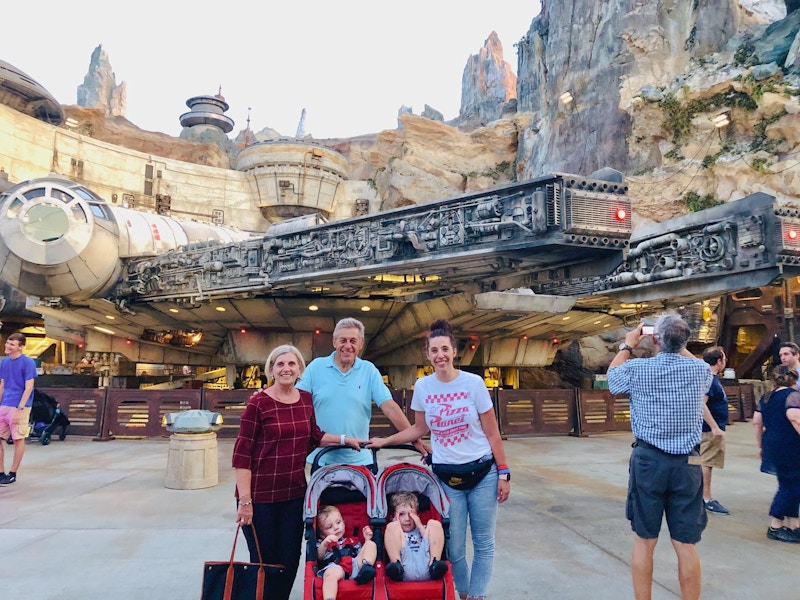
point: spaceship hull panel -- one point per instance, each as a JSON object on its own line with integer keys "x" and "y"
{"x": 58, "y": 239}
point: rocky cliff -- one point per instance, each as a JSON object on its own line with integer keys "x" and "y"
{"x": 488, "y": 86}
{"x": 94, "y": 122}
{"x": 603, "y": 53}
{"x": 426, "y": 159}
{"x": 645, "y": 77}
{"x": 100, "y": 90}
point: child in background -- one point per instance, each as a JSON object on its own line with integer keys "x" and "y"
{"x": 340, "y": 557}
{"x": 413, "y": 549}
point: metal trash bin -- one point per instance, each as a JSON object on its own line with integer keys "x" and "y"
{"x": 192, "y": 459}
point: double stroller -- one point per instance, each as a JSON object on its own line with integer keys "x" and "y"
{"x": 363, "y": 499}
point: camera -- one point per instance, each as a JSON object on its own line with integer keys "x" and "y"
{"x": 647, "y": 330}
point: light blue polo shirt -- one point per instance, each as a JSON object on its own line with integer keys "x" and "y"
{"x": 343, "y": 403}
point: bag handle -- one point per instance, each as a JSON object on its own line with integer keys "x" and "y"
{"x": 229, "y": 575}
{"x": 255, "y": 537}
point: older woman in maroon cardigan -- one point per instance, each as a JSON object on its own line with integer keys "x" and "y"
{"x": 277, "y": 431}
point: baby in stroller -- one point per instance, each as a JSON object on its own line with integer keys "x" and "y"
{"x": 413, "y": 549}
{"x": 363, "y": 500}
{"x": 341, "y": 557}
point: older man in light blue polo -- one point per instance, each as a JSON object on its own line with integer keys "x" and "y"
{"x": 343, "y": 388}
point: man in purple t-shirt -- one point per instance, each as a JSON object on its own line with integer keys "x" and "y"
{"x": 17, "y": 373}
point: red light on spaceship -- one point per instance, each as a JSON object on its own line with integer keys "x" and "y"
{"x": 792, "y": 234}
{"x": 129, "y": 342}
{"x": 525, "y": 337}
{"x": 243, "y": 330}
{"x": 472, "y": 346}
{"x": 317, "y": 332}
{"x": 555, "y": 340}
{"x": 621, "y": 214}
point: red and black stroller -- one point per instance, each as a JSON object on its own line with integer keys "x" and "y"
{"x": 433, "y": 504}
{"x": 363, "y": 499}
{"x": 353, "y": 490}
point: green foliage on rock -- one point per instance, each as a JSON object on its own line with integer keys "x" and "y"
{"x": 761, "y": 165}
{"x": 760, "y": 140}
{"x": 745, "y": 55}
{"x": 674, "y": 154}
{"x": 728, "y": 146}
{"x": 695, "y": 202}
{"x": 678, "y": 116}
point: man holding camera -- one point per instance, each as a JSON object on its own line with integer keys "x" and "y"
{"x": 667, "y": 394}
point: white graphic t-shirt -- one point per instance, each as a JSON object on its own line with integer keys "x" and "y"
{"x": 452, "y": 414}
{"x": 413, "y": 540}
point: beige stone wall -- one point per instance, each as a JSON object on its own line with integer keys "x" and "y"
{"x": 30, "y": 148}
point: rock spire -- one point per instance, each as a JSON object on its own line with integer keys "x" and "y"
{"x": 487, "y": 84}
{"x": 100, "y": 89}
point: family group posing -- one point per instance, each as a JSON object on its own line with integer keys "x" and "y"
{"x": 329, "y": 403}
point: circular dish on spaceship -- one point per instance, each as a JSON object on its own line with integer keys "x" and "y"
{"x": 23, "y": 93}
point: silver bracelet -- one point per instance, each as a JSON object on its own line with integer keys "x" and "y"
{"x": 341, "y": 440}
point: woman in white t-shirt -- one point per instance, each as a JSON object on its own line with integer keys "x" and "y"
{"x": 468, "y": 457}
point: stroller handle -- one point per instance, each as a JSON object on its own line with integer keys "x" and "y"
{"x": 372, "y": 467}
{"x": 324, "y": 450}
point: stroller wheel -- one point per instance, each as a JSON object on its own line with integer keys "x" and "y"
{"x": 46, "y": 439}
{"x": 63, "y": 435}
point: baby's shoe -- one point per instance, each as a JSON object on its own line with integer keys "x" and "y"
{"x": 437, "y": 569}
{"x": 395, "y": 571}
{"x": 366, "y": 573}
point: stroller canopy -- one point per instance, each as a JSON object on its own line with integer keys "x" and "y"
{"x": 351, "y": 477}
{"x": 405, "y": 477}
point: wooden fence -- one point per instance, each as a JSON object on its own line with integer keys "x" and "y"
{"x": 108, "y": 413}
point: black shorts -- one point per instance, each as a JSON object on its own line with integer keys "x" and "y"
{"x": 662, "y": 483}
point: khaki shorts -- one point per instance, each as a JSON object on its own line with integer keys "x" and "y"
{"x": 712, "y": 450}
{"x": 14, "y": 422}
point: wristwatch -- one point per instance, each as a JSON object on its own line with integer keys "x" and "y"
{"x": 624, "y": 346}
{"x": 505, "y": 476}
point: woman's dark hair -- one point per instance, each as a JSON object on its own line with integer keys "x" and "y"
{"x": 441, "y": 328}
{"x": 784, "y": 376}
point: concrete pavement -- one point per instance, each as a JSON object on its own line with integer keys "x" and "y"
{"x": 94, "y": 520}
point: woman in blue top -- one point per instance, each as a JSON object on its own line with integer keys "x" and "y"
{"x": 468, "y": 456}
{"x": 777, "y": 425}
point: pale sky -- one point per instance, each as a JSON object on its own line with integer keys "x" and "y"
{"x": 351, "y": 64}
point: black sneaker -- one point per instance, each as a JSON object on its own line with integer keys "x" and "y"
{"x": 713, "y": 506}
{"x": 395, "y": 571}
{"x": 7, "y": 479}
{"x": 783, "y": 534}
{"x": 365, "y": 574}
{"x": 437, "y": 569}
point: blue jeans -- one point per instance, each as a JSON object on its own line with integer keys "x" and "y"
{"x": 479, "y": 505}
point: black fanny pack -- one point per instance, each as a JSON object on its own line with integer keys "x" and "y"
{"x": 463, "y": 477}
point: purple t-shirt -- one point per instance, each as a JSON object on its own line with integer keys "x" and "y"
{"x": 15, "y": 372}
